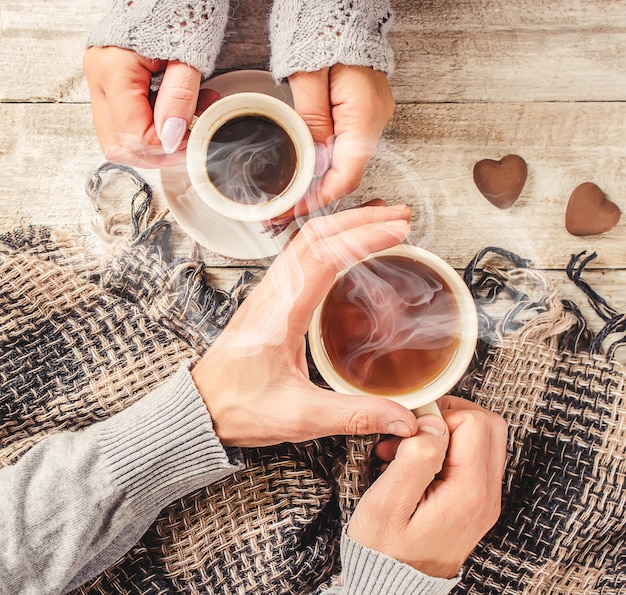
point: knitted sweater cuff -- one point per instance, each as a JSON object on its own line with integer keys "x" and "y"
{"x": 313, "y": 34}
{"x": 164, "y": 446}
{"x": 367, "y": 571}
{"x": 190, "y": 31}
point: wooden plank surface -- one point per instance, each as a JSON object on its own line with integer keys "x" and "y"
{"x": 474, "y": 79}
{"x": 429, "y": 152}
{"x": 41, "y": 47}
{"x": 425, "y": 159}
{"x": 487, "y": 50}
{"x": 451, "y": 50}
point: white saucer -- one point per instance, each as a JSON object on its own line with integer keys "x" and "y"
{"x": 243, "y": 81}
{"x": 200, "y": 222}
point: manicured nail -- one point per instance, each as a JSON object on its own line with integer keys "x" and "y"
{"x": 173, "y": 133}
{"x": 322, "y": 160}
{"x": 432, "y": 424}
{"x": 399, "y": 428}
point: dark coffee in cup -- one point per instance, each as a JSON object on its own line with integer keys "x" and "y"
{"x": 251, "y": 159}
{"x": 390, "y": 325}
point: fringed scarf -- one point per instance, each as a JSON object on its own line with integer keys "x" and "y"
{"x": 82, "y": 334}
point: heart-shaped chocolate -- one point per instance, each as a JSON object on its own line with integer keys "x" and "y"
{"x": 589, "y": 212}
{"x": 501, "y": 182}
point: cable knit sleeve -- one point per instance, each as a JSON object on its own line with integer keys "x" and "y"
{"x": 190, "y": 31}
{"x": 313, "y": 34}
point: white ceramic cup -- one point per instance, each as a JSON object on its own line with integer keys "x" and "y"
{"x": 240, "y": 105}
{"x": 420, "y": 400}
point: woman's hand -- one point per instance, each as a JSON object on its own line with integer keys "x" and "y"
{"x": 346, "y": 109}
{"x": 439, "y": 492}
{"x": 134, "y": 125}
{"x": 254, "y": 379}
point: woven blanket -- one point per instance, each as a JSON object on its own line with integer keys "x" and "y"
{"x": 82, "y": 333}
{"x": 562, "y": 528}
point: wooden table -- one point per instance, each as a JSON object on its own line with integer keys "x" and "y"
{"x": 474, "y": 79}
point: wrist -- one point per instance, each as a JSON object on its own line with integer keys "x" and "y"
{"x": 165, "y": 30}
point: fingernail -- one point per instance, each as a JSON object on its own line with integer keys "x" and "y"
{"x": 432, "y": 424}
{"x": 173, "y": 133}
{"x": 322, "y": 161}
{"x": 399, "y": 208}
{"x": 399, "y": 223}
{"x": 399, "y": 428}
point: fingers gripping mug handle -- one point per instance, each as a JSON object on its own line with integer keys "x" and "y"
{"x": 428, "y": 409}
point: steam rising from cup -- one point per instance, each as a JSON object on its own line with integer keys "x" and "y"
{"x": 400, "y": 324}
{"x": 251, "y": 160}
{"x": 390, "y": 324}
{"x": 250, "y": 157}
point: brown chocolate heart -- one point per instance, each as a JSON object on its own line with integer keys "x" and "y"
{"x": 589, "y": 212}
{"x": 501, "y": 182}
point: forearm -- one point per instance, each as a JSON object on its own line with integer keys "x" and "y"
{"x": 190, "y": 31}
{"x": 79, "y": 500}
{"x": 367, "y": 571}
{"x": 308, "y": 35}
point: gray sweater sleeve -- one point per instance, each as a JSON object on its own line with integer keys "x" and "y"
{"x": 367, "y": 571}
{"x": 187, "y": 30}
{"x": 304, "y": 34}
{"x": 77, "y": 501}
{"x": 313, "y": 34}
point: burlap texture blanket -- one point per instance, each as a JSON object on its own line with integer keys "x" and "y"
{"x": 562, "y": 528}
{"x": 82, "y": 334}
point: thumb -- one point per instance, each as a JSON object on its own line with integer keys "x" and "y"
{"x": 175, "y": 104}
{"x": 360, "y": 415}
{"x": 311, "y": 99}
{"x": 417, "y": 461}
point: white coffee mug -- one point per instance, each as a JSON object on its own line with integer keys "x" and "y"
{"x": 242, "y": 105}
{"x": 421, "y": 399}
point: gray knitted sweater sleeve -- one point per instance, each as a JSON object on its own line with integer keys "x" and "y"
{"x": 367, "y": 571}
{"x": 304, "y": 34}
{"x": 314, "y": 34}
{"x": 190, "y": 31}
{"x": 77, "y": 501}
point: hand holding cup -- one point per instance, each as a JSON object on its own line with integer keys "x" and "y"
{"x": 254, "y": 379}
{"x": 440, "y": 491}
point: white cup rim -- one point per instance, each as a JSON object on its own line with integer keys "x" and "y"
{"x": 241, "y": 104}
{"x": 453, "y": 372}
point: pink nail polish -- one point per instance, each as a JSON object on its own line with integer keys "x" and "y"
{"x": 173, "y": 133}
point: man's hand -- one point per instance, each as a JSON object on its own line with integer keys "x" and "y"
{"x": 254, "y": 379}
{"x": 440, "y": 490}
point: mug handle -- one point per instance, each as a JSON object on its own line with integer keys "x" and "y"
{"x": 429, "y": 409}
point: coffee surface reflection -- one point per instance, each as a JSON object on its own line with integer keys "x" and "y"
{"x": 390, "y": 325}
{"x": 251, "y": 159}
